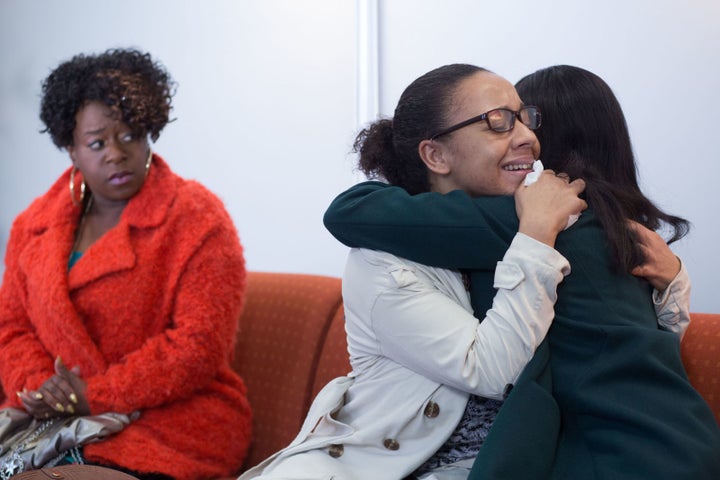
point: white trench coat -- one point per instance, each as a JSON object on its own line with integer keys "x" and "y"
{"x": 417, "y": 354}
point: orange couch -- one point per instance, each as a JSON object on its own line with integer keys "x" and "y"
{"x": 292, "y": 341}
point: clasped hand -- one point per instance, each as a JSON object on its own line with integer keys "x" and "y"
{"x": 61, "y": 395}
{"x": 543, "y": 208}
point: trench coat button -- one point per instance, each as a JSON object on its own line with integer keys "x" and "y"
{"x": 432, "y": 410}
{"x": 391, "y": 444}
{"x": 336, "y": 450}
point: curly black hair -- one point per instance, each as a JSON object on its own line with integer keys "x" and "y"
{"x": 127, "y": 79}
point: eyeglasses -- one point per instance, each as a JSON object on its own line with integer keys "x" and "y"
{"x": 500, "y": 120}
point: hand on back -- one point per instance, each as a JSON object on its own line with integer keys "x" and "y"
{"x": 661, "y": 265}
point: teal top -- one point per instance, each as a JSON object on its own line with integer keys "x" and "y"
{"x": 74, "y": 257}
{"x": 606, "y": 395}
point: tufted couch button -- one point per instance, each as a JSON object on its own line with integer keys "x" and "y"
{"x": 336, "y": 450}
{"x": 391, "y": 444}
{"x": 432, "y": 410}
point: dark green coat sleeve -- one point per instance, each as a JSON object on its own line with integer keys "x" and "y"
{"x": 448, "y": 231}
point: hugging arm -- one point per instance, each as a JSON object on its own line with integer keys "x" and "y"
{"x": 422, "y": 227}
{"x": 445, "y": 230}
{"x": 667, "y": 274}
{"x": 454, "y": 231}
{"x": 421, "y": 321}
{"x": 672, "y": 305}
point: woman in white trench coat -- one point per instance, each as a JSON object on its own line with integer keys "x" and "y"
{"x": 417, "y": 352}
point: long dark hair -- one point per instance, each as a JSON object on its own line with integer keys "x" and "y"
{"x": 389, "y": 147}
{"x": 584, "y": 134}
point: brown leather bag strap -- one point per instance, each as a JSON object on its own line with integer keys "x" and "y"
{"x": 74, "y": 472}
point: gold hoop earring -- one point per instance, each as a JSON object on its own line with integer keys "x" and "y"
{"x": 148, "y": 162}
{"x": 72, "y": 188}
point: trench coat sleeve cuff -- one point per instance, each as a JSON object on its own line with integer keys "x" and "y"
{"x": 672, "y": 305}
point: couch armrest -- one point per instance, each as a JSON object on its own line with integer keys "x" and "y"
{"x": 701, "y": 357}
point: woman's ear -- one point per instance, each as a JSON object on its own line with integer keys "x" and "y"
{"x": 432, "y": 154}
{"x": 71, "y": 151}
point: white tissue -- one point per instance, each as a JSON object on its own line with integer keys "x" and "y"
{"x": 532, "y": 177}
{"x": 571, "y": 220}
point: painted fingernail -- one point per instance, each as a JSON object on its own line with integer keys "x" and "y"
{"x": 38, "y": 396}
{"x": 59, "y": 407}
{"x": 73, "y": 398}
{"x": 70, "y": 409}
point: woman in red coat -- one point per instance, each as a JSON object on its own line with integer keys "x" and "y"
{"x": 132, "y": 277}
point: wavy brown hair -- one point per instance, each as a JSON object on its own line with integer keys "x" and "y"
{"x": 125, "y": 79}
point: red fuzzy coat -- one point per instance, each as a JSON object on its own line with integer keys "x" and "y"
{"x": 149, "y": 313}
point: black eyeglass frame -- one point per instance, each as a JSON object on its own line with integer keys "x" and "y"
{"x": 484, "y": 116}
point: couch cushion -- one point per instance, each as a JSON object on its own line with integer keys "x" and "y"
{"x": 334, "y": 359}
{"x": 282, "y": 331}
{"x": 701, "y": 357}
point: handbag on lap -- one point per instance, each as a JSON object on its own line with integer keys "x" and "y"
{"x": 27, "y": 443}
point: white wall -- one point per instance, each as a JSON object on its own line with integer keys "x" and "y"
{"x": 264, "y": 107}
{"x": 266, "y": 102}
{"x": 660, "y": 57}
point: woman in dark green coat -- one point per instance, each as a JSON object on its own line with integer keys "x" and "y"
{"x": 606, "y": 395}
